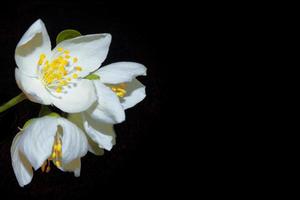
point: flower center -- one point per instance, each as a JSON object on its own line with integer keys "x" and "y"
{"x": 119, "y": 89}
{"x": 59, "y": 72}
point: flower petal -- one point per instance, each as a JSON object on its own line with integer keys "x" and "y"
{"x": 73, "y": 166}
{"x": 108, "y": 109}
{"x": 135, "y": 94}
{"x": 32, "y": 44}
{"x": 37, "y": 140}
{"x": 74, "y": 142}
{"x": 78, "y": 98}
{"x": 33, "y": 88}
{"x": 101, "y": 133}
{"x": 93, "y": 146}
{"x": 120, "y": 72}
{"x": 21, "y": 165}
{"x": 91, "y": 51}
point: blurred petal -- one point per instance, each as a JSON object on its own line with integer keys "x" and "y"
{"x": 74, "y": 142}
{"x": 37, "y": 140}
{"x": 32, "y": 44}
{"x": 32, "y": 88}
{"x": 101, "y": 133}
{"x": 91, "y": 51}
{"x": 21, "y": 165}
{"x": 135, "y": 94}
{"x": 78, "y": 98}
{"x": 109, "y": 108}
{"x": 120, "y": 72}
{"x": 93, "y": 146}
{"x": 73, "y": 166}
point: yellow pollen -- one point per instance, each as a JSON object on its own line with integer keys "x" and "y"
{"x": 75, "y": 75}
{"x": 75, "y": 60}
{"x": 78, "y": 68}
{"x": 67, "y": 56}
{"x": 67, "y": 52}
{"x": 59, "y": 49}
{"x": 58, "y": 89}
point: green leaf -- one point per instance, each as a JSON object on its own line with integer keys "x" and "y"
{"x": 67, "y": 34}
{"x": 92, "y": 77}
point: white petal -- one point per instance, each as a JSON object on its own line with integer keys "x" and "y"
{"x": 93, "y": 146}
{"x": 21, "y": 165}
{"x": 33, "y": 43}
{"x": 73, "y": 166}
{"x": 91, "y": 51}
{"x": 135, "y": 94}
{"x": 74, "y": 142}
{"x": 78, "y": 98}
{"x": 120, "y": 72}
{"x": 33, "y": 88}
{"x": 37, "y": 140}
{"x": 101, "y": 133}
{"x": 108, "y": 109}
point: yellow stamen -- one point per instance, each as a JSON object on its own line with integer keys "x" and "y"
{"x": 67, "y": 52}
{"x": 57, "y": 163}
{"x": 75, "y": 60}
{"x": 41, "y": 59}
{"x": 75, "y": 75}
{"x": 58, "y": 89}
{"x": 57, "y": 151}
{"x": 119, "y": 89}
{"x": 59, "y": 49}
{"x": 67, "y": 56}
{"x": 78, "y": 68}
{"x": 53, "y": 155}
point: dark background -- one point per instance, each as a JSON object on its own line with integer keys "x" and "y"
{"x": 141, "y": 160}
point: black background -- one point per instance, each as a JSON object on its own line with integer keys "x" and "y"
{"x": 141, "y": 32}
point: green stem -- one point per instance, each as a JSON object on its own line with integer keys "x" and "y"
{"x": 12, "y": 102}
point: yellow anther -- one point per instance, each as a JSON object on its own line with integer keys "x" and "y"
{"x": 69, "y": 79}
{"x": 67, "y": 52}
{"x": 53, "y": 155}
{"x": 58, "y": 147}
{"x": 41, "y": 59}
{"x": 78, "y": 68}
{"x": 58, "y": 89}
{"x": 57, "y": 163}
{"x": 75, "y": 60}
{"x": 119, "y": 90}
{"x": 120, "y": 94}
{"x": 75, "y": 75}
{"x": 67, "y": 56}
{"x": 59, "y": 49}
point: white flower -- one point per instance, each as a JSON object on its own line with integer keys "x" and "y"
{"x": 55, "y": 76}
{"x": 97, "y": 121}
{"x": 44, "y": 140}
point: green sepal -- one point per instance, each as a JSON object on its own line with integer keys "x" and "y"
{"x": 92, "y": 77}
